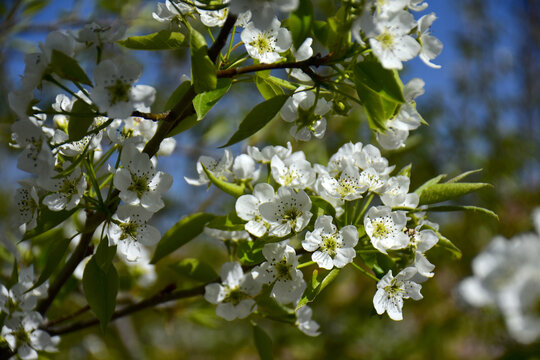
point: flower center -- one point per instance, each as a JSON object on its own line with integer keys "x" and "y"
{"x": 386, "y": 39}
{"x": 381, "y": 230}
{"x": 263, "y": 43}
{"x": 282, "y": 270}
{"x": 330, "y": 244}
{"x": 119, "y": 92}
{"x": 129, "y": 230}
{"x": 139, "y": 185}
{"x": 291, "y": 214}
{"x": 234, "y": 296}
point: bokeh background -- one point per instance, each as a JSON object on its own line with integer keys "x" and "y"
{"x": 483, "y": 111}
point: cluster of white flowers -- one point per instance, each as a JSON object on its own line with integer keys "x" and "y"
{"x": 21, "y": 322}
{"x": 272, "y": 219}
{"x": 506, "y": 276}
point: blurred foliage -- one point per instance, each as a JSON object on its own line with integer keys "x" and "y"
{"x": 488, "y": 118}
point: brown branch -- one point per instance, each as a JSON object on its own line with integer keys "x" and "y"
{"x": 221, "y": 40}
{"x": 157, "y": 299}
{"x": 150, "y": 116}
{"x": 316, "y": 60}
{"x": 67, "y": 317}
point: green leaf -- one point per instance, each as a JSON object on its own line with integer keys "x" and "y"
{"x": 257, "y": 118}
{"x": 47, "y": 220}
{"x": 203, "y": 71}
{"x": 180, "y": 234}
{"x": 463, "y": 208}
{"x": 435, "y": 180}
{"x": 230, "y": 222}
{"x": 263, "y": 343}
{"x": 184, "y": 125}
{"x": 32, "y": 7}
{"x": 68, "y": 68}
{"x": 441, "y": 192}
{"x": 105, "y": 254}
{"x": 448, "y": 245}
{"x": 249, "y": 253}
{"x": 100, "y": 288}
{"x": 321, "y": 29}
{"x": 195, "y": 269}
{"x": 177, "y": 94}
{"x": 227, "y": 187}
{"x": 378, "y": 109}
{"x": 53, "y": 255}
{"x": 267, "y": 88}
{"x": 315, "y": 287}
{"x": 203, "y": 102}
{"x": 384, "y": 82}
{"x": 82, "y": 116}
{"x": 300, "y": 22}
{"x": 406, "y": 171}
{"x": 462, "y": 176}
{"x": 162, "y": 40}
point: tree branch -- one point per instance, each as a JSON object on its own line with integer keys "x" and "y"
{"x": 157, "y": 299}
{"x": 316, "y": 60}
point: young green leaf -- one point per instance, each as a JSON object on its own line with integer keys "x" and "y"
{"x": 82, "y": 116}
{"x": 203, "y": 71}
{"x": 462, "y": 176}
{"x": 315, "y": 287}
{"x": 257, "y": 118}
{"x": 384, "y": 82}
{"x": 437, "y": 193}
{"x": 47, "y": 220}
{"x": 177, "y": 94}
{"x": 262, "y": 342}
{"x": 203, "y": 102}
{"x": 100, "y": 288}
{"x": 180, "y": 234}
{"x": 54, "y": 255}
{"x": 267, "y": 88}
{"x": 195, "y": 269}
{"x": 105, "y": 254}
{"x": 373, "y": 105}
{"x": 300, "y": 22}
{"x": 68, "y": 68}
{"x": 162, "y": 40}
{"x": 435, "y": 180}
{"x": 229, "y": 222}
{"x": 448, "y": 245}
{"x": 463, "y": 208}
{"x": 227, "y": 187}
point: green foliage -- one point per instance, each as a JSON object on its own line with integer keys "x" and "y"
{"x": 262, "y": 342}
{"x": 266, "y": 87}
{"x": 203, "y": 71}
{"x": 177, "y": 94}
{"x": 257, "y": 118}
{"x": 185, "y": 230}
{"x": 315, "y": 287}
{"x": 300, "y": 22}
{"x": 227, "y": 187}
{"x": 203, "y": 102}
{"x": 82, "y": 116}
{"x": 195, "y": 269}
{"x": 68, "y": 68}
{"x": 437, "y": 193}
{"x": 230, "y": 222}
{"x": 47, "y": 220}
{"x": 100, "y": 288}
{"x": 54, "y": 254}
{"x": 162, "y": 40}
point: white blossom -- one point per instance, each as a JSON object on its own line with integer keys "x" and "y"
{"x": 244, "y": 169}
{"x": 385, "y": 228}
{"x": 331, "y": 247}
{"x": 280, "y": 270}
{"x": 170, "y": 10}
{"x": 27, "y": 202}
{"x": 266, "y": 44}
{"x": 420, "y": 242}
{"x": 100, "y": 34}
{"x": 431, "y": 46}
{"x": 294, "y": 171}
{"x": 288, "y": 211}
{"x": 247, "y": 208}
{"x": 36, "y": 157}
{"x": 113, "y": 90}
{"x": 129, "y": 228}
{"x": 212, "y": 18}
{"x": 220, "y": 169}
{"x": 304, "y": 322}
{"x": 392, "y": 290}
{"x": 347, "y": 186}
{"x": 139, "y": 182}
{"x": 263, "y": 12}
{"x": 234, "y": 296}
{"x": 267, "y": 153}
{"x": 67, "y": 190}
{"x": 396, "y": 193}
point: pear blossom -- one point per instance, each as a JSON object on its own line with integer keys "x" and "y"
{"x": 267, "y": 153}
{"x": 128, "y": 229}
{"x": 27, "y": 202}
{"x": 385, "y": 228}
{"x": 263, "y": 12}
{"x": 347, "y": 186}
{"x": 294, "y": 171}
{"x": 370, "y": 156}
{"x": 101, "y": 34}
{"x": 346, "y": 154}
{"x": 331, "y": 247}
{"x": 220, "y": 169}
{"x": 396, "y": 193}
{"x": 243, "y": 168}
{"x": 266, "y": 44}
{"x": 417, "y": 5}
{"x": 113, "y": 92}
{"x": 226, "y": 235}
{"x": 304, "y": 322}
{"x": 390, "y": 41}
{"x": 18, "y": 300}
{"x": 280, "y": 270}
{"x": 288, "y": 211}
{"x": 234, "y": 296}
{"x": 420, "y": 242}
{"x": 374, "y": 182}
{"x": 139, "y": 182}
{"x": 247, "y": 208}
{"x": 431, "y": 46}
{"x": 36, "y": 157}
{"x": 392, "y": 290}
{"x": 170, "y": 9}
{"x": 67, "y": 190}
{"x": 24, "y": 337}
{"x": 212, "y": 18}
{"x": 303, "y": 52}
